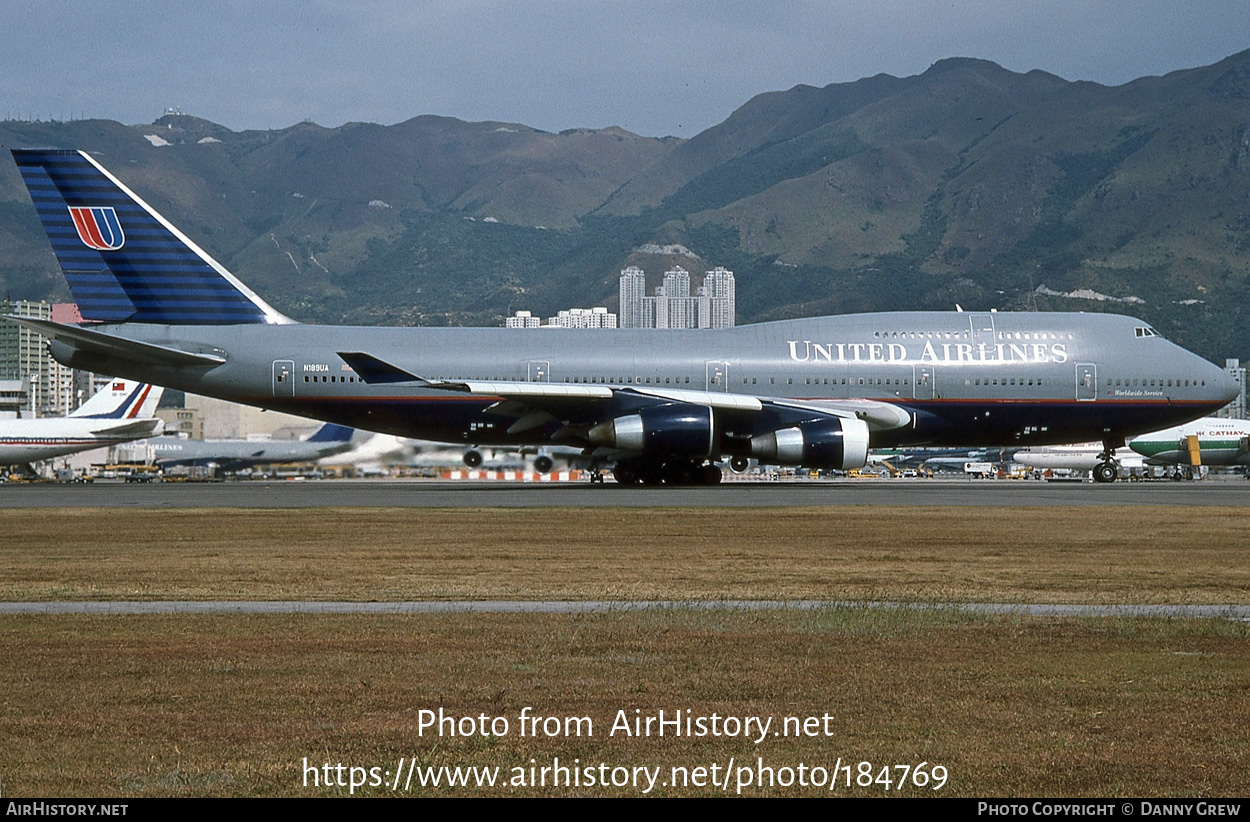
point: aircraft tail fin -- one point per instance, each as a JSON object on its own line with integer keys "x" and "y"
{"x": 332, "y": 433}
{"x": 123, "y": 261}
{"x": 121, "y": 400}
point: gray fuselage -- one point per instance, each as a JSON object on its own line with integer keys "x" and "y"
{"x": 963, "y": 378}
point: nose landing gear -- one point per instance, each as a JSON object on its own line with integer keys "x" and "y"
{"x": 1107, "y": 469}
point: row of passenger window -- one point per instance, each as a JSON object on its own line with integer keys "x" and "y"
{"x": 1001, "y": 381}
{"x": 1129, "y": 383}
{"x": 966, "y": 335}
{"x": 629, "y": 380}
{"x": 1157, "y": 383}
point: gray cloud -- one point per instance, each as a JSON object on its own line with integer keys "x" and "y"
{"x": 652, "y": 67}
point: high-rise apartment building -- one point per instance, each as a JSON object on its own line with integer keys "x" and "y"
{"x": 672, "y": 306}
{"x": 718, "y": 286}
{"x": 24, "y": 355}
{"x": 633, "y": 290}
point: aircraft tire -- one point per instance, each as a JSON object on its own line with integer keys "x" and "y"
{"x": 711, "y": 475}
{"x": 680, "y": 472}
{"x": 648, "y": 472}
{"x": 1105, "y": 472}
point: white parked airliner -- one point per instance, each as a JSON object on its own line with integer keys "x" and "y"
{"x": 120, "y": 412}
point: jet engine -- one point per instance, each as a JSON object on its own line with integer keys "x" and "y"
{"x": 829, "y": 442}
{"x": 473, "y": 458}
{"x": 679, "y": 429}
{"x": 543, "y": 464}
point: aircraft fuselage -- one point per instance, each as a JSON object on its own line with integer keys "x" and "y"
{"x": 961, "y": 378}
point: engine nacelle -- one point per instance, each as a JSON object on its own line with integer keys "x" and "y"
{"x": 472, "y": 458}
{"x": 543, "y": 464}
{"x": 833, "y": 442}
{"x": 679, "y": 429}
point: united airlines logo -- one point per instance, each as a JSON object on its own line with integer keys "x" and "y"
{"x": 808, "y": 351}
{"x": 98, "y": 227}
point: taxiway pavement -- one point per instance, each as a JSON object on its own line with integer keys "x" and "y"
{"x": 429, "y": 494}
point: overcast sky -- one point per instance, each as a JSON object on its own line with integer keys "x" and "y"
{"x": 651, "y": 66}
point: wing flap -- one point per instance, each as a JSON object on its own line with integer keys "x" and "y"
{"x": 713, "y": 399}
{"x": 880, "y": 416}
{"x": 525, "y": 390}
{"x": 543, "y": 390}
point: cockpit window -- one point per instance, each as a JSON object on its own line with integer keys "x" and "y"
{"x": 1145, "y": 331}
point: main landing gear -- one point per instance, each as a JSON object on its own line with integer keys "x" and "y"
{"x": 666, "y": 472}
{"x": 1107, "y": 469}
{"x": 1106, "y": 472}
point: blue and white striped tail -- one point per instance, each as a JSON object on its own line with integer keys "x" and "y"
{"x": 122, "y": 260}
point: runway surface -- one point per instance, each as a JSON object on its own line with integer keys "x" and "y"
{"x": 1230, "y": 491}
{"x": 1233, "y": 612}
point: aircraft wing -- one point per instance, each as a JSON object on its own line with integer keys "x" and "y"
{"x": 536, "y": 392}
{"x": 524, "y": 398}
{"x": 878, "y": 415}
{"x": 642, "y": 419}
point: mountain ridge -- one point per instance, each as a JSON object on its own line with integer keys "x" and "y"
{"x": 966, "y": 183}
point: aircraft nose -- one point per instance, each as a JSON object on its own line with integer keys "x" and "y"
{"x": 1219, "y": 386}
{"x": 1230, "y": 386}
{"x": 1221, "y": 383}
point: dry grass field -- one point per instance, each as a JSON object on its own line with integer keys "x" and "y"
{"x": 1009, "y": 706}
{"x": 1103, "y": 555}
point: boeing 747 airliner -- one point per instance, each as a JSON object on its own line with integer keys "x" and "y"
{"x": 659, "y": 406}
{"x": 120, "y": 412}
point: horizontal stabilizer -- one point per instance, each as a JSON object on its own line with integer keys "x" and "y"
{"x": 330, "y": 432}
{"x": 374, "y": 371}
{"x": 136, "y": 429}
{"x": 108, "y": 345}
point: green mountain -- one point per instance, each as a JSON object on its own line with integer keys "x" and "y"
{"x": 966, "y": 184}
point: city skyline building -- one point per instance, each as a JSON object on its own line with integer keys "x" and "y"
{"x": 718, "y": 287}
{"x": 24, "y": 356}
{"x": 633, "y": 290}
{"x": 522, "y": 319}
{"x": 671, "y": 304}
{"x": 597, "y": 317}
